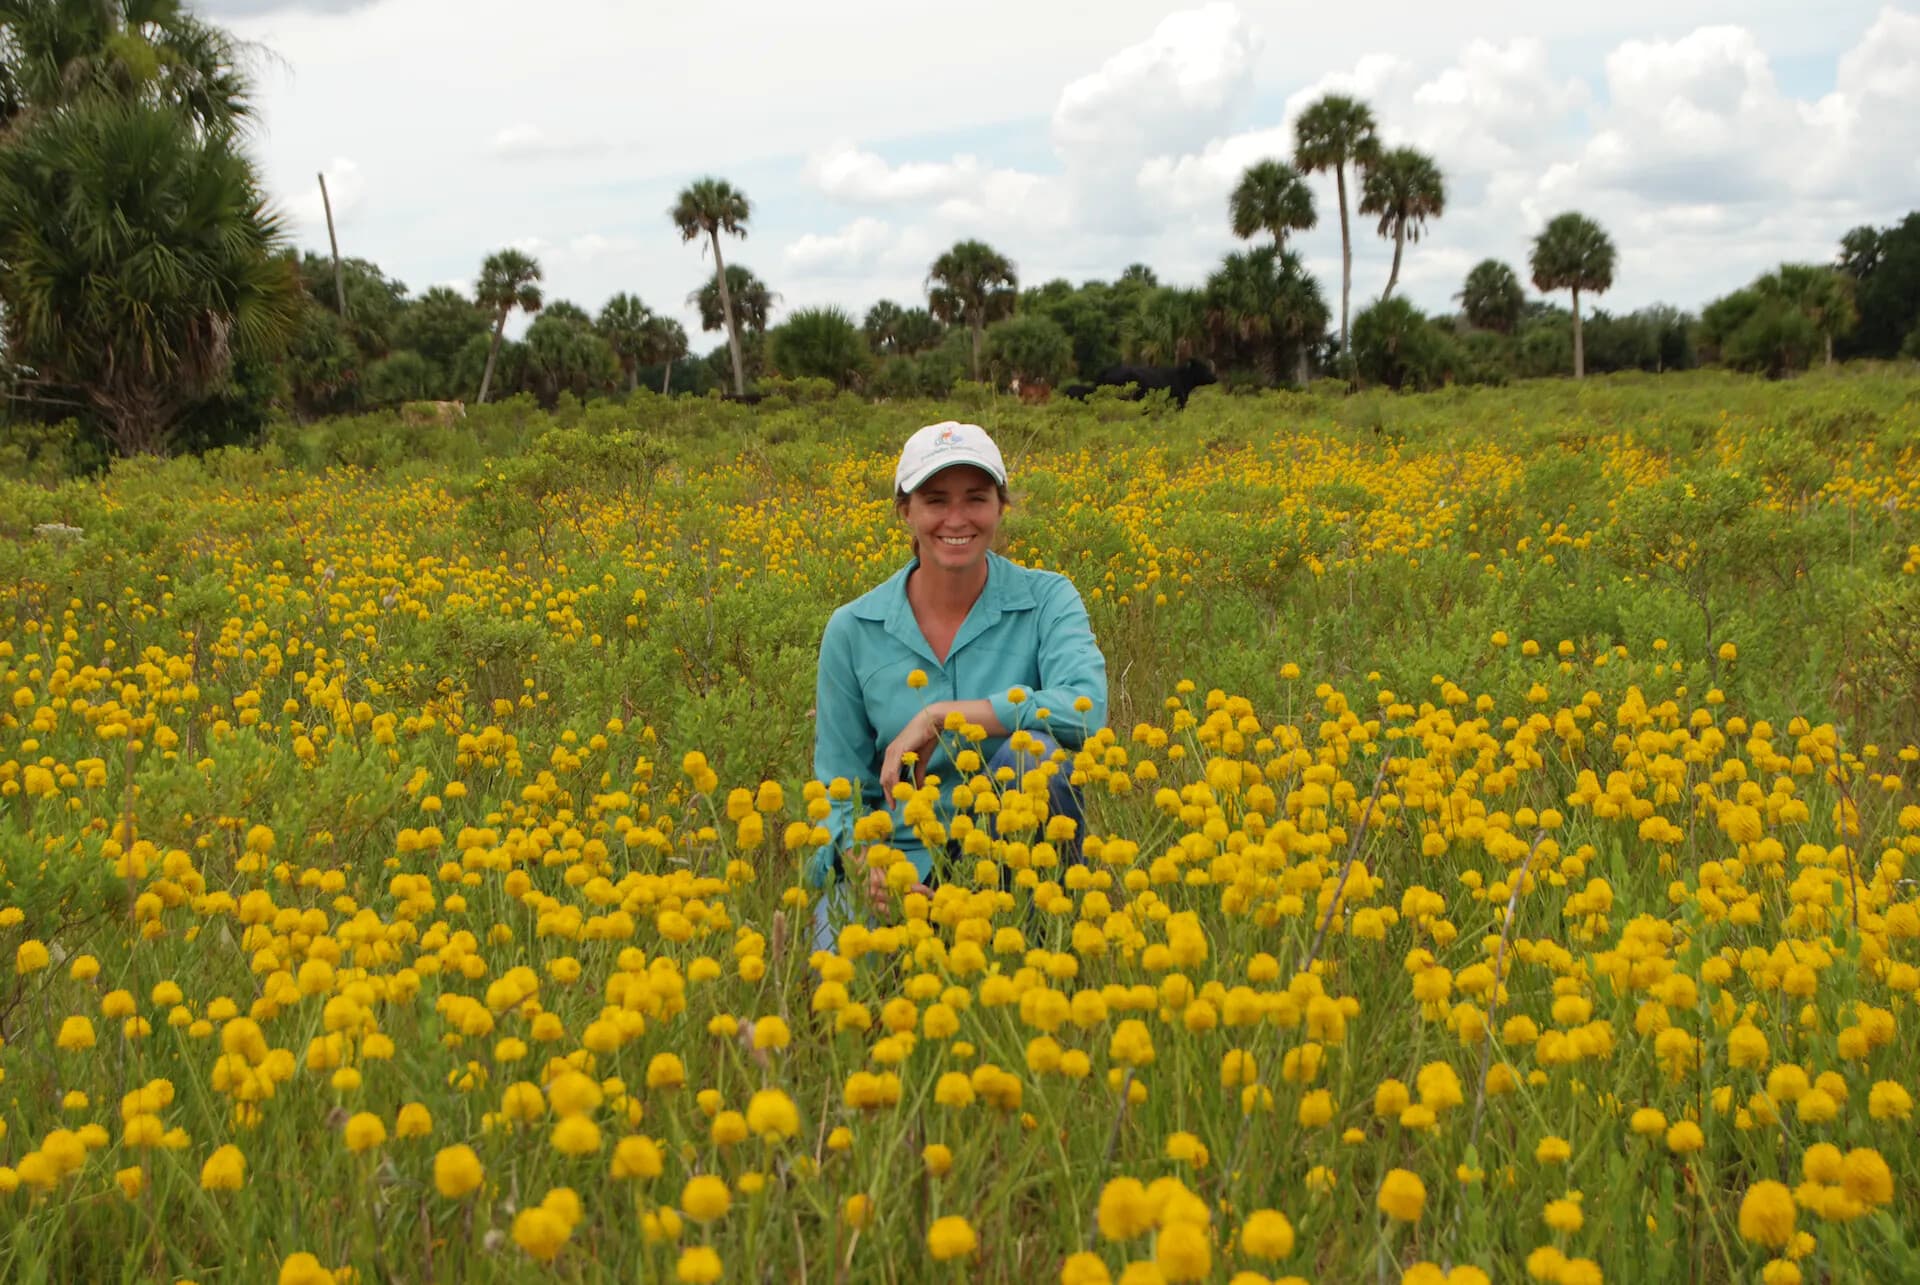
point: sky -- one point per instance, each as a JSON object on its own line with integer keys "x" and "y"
{"x": 1712, "y": 139}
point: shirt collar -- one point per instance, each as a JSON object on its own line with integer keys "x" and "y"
{"x": 1006, "y": 590}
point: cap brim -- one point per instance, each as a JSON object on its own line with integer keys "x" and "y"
{"x": 915, "y": 481}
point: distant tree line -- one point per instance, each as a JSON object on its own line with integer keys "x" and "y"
{"x": 148, "y": 293}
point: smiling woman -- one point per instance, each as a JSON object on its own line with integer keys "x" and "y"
{"x": 959, "y": 659}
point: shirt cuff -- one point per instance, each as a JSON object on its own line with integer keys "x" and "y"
{"x": 1009, "y": 714}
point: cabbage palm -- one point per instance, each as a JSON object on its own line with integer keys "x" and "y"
{"x": 1331, "y": 134}
{"x": 623, "y": 324}
{"x": 707, "y": 208}
{"x": 1492, "y": 297}
{"x": 1261, "y": 304}
{"x": 1823, "y": 295}
{"x": 155, "y": 53}
{"x": 1166, "y": 328}
{"x": 1271, "y": 197}
{"x": 508, "y": 280}
{"x": 739, "y": 289}
{"x": 138, "y": 261}
{"x": 1405, "y": 188}
{"x": 664, "y": 342}
{"x": 976, "y": 285}
{"x": 1573, "y": 253}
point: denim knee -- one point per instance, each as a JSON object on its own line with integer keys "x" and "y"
{"x": 1062, "y": 798}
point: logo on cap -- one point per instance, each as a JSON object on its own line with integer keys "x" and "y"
{"x": 948, "y": 438}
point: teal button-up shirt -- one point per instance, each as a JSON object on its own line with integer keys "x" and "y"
{"x": 1027, "y": 629}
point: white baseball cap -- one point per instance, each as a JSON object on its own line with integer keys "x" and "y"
{"x": 943, "y": 445}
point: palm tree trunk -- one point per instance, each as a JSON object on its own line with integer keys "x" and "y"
{"x": 726, "y": 308}
{"x": 978, "y": 326}
{"x": 1399, "y": 244}
{"x": 666, "y": 379}
{"x": 1302, "y": 374}
{"x": 1579, "y": 350}
{"x": 1346, "y": 258}
{"x": 493, "y": 351}
{"x": 1829, "y": 350}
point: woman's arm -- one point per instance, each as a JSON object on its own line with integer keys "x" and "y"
{"x": 1072, "y": 668}
{"x": 842, "y": 741}
{"x": 923, "y": 729}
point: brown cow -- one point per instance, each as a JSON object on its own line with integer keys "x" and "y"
{"x": 1035, "y": 392}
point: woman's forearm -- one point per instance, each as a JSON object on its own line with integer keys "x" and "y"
{"x": 977, "y": 711}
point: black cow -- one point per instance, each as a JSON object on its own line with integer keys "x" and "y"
{"x": 744, "y": 399}
{"x": 1178, "y": 381}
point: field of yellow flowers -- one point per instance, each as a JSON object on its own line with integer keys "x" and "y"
{"x": 1495, "y": 865}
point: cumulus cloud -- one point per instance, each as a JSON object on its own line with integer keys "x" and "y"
{"x": 524, "y": 141}
{"x": 346, "y": 188}
{"x": 1173, "y": 91}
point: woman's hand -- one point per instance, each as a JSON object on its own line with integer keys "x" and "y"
{"x": 881, "y": 897}
{"x": 917, "y": 738}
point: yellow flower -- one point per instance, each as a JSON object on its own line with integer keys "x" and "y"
{"x": 1564, "y": 1215}
{"x": 1887, "y": 1100}
{"x": 1084, "y": 1269}
{"x": 1767, "y": 1214}
{"x": 772, "y": 1116}
{"x": 130, "y": 1180}
{"x": 1403, "y": 1197}
{"x": 938, "y": 1158}
{"x": 705, "y": 1198}
{"x": 457, "y": 1171}
{"x": 225, "y": 1169}
{"x": 1267, "y": 1234}
{"x": 858, "y": 1210}
{"x": 1685, "y": 1138}
{"x": 951, "y": 1237}
{"x": 1182, "y": 1252}
{"x": 304, "y": 1269}
{"x": 1552, "y": 1150}
{"x": 76, "y": 1035}
{"x": 31, "y": 957}
{"x": 1866, "y": 1177}
{"x": 917, "y": 679}
{"x": 541, "y": 1232}
{"x": 637, "y": 1157}
{"x": 1125, "y": 1210}
{"x": 576, "y": 1135}
{"x": 364, "y": 1132}
{"x": 698, "y": 1265}
{"x": 414, "y": 1121}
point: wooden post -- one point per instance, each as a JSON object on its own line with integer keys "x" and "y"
{"x": 339, "y": 282}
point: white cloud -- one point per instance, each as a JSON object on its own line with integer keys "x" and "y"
{"x": 346, "y": 189}
{"x": 1173, "y": 91}
{"x": 524, "y": 141}
{"x": 1078, "y": 146}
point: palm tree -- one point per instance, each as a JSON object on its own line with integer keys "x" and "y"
{"x": 623, "y": 324}
{"x": 1262, "y": 304}
{"x": 665, "y": 343}
{"x": 1492, "y": 297}
{"x": 707, "y": 208}
{"x": 1573, "y": 253}
{"x": 155, "y": 53}
{"x": 508, "y": 280}
{"x": 977, "y": 284}
{"x": 1331, "y": 134}
{"x": 1405, "y": 188}
{"x": 138, "y": 262}
{"x": 882, "y": 326}
{"x": 1273, "y": 198}
{"x": 1166, "y": 328}
{"x": 1823, "y": 295}
{"x": 752, "y": 302}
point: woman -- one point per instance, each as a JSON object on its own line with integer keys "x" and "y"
{"x": 1008, "y": 647}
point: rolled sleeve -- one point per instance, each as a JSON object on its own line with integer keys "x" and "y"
{"x": 1071, "y": 667}
{"x": 843, "y": 740}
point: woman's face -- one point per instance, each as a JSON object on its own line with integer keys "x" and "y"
{"x": 954, "y": 516}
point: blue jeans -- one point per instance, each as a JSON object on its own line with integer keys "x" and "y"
{"x": 844, "y": 899}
